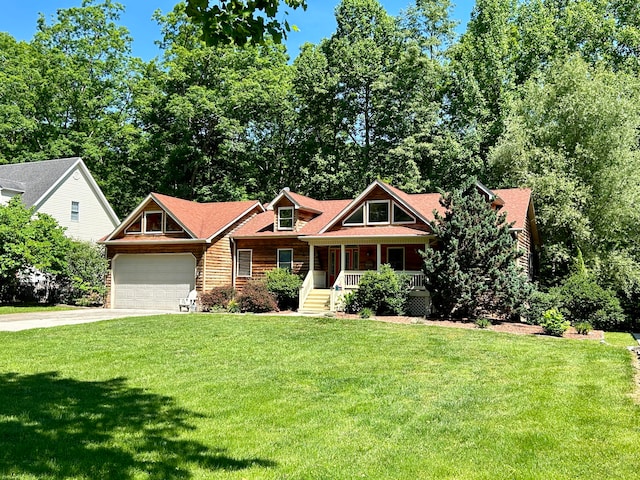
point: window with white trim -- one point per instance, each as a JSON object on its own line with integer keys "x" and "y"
{"x": 135, "y": 226}
{"x": 356, "y": 218}
{"x": 243, "y": 262}
{"x": 153, "y": 222}
{"x": 285, "y": 218}
{"x": 377, "y": 212}
{"x": 75, "y": 211}
{"x": 285, "y": 258}
{"x": 400, "y": 215}
{"x": 170, "y": 225}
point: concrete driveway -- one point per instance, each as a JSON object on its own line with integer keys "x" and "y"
{"x": 23, "y": 321}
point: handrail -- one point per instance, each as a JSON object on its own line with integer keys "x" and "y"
{"x": 305, "y": 289}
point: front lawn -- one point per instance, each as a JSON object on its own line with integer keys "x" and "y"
{"x": 230, "y": 396}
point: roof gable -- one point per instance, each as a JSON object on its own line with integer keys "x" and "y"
{"x": 403, "y": 199}
{"x": 36, "y": 181}
{"x": 299, "y": 202}
{"x": 201, "y": 221}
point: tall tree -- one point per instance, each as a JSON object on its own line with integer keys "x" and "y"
{"x": 216, "y": 117}
{"x": 573, "y": 137}
{"x": 473, "y": 270}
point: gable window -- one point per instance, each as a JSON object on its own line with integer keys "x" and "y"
{"x": 401, "y": 216}
{"x": 152, "y": 222}
{"x": 135, "y": 226}
{"x": 243, "y": 261}
{"x": 285, "y": 258}
{"x": 378, "y": 211}
{"x": 75, "y": 211}
{"x": 170, "y": 225}
{"x": 285, "y": 218}
{"x": 356, "y": 218}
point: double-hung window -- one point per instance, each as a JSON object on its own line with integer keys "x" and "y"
{"x": 75, "y": 211}
{"x": 285, "y": 218}
{"x": 285, "y": 258}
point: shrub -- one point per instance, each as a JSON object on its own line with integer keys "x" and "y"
{"x": 483, "y": 323}
{"x": 540, "y": 302}
{"x": 583, "y": 328}
{"x": 256, "y": 298}
{"x": 233, "y": 306}
{"x": 553, "y": 323}
{"x": 216, "y": 299}
{"x": 384, "y": 292}
{"x": 351, "y": 303}
{"x": 583, "y": 300}
{"x": 284, "y": 286}
{"x": 366, "y": 313}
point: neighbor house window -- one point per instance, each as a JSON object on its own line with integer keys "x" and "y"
{"x": 378, "y": 211}
{"x": 356, "y": 218}
{"x": 153, "y": 222}
{"x": 401, "y": 216}
{"x": 75, "y": 211}
{"x": 285, "y": 258}
{"x": 285, "y": 218}
{"x": 243, "y": 266}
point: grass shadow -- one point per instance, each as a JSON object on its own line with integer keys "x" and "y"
{"x": 58, "y": 428}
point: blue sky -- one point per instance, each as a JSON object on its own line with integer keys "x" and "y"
{"x": 19, "y": 18}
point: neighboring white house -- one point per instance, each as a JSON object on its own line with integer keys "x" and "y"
{"x": 65, "y": 189}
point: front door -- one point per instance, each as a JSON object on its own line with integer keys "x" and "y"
{"x": 352, "y": 258}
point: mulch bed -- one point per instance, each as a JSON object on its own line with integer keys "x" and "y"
{"x": 496, "y": 326}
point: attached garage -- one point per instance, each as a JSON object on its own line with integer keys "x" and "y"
{"x": 151, "y": 281}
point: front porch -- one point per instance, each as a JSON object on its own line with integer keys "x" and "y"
{"x": 335, "y": 270}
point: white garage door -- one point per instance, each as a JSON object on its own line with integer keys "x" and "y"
{"x": 152, "y": 281}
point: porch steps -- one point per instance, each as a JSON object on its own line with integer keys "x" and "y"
{"x": 317, "y": 301}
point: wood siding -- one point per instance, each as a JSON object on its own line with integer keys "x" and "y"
{"x": 265, "y": 256}
{"x": 525, "y": 244}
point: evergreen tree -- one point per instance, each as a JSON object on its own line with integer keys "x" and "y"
{"x": 473, "y": 268}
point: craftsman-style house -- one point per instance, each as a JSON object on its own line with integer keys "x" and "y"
{"x": 168, "y": 246}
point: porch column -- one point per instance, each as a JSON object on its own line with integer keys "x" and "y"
{"x": 312, "y": 259}
{"x": 343, "y": 257}
{"x": 378, "y": 256}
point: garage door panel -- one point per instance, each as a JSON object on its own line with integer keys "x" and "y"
{"x": 152, "y": 281}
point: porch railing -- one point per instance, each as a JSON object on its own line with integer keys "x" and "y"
{"x": 314, "y": 279}
{"x": 305, "y": 289}
{"x": 337, "y": 291}
{"x": 352, "y": 279}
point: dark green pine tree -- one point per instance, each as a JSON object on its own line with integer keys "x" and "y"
{"x": 472, "y": 271}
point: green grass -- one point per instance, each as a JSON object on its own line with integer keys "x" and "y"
{"x": 620, "y": 339}
{"x": 246, "y": 397}
{"x": 6, "y": 309}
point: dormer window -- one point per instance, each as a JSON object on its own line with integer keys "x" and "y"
{"x": 285, "y": 218}
{"x": 135, "y": 226}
